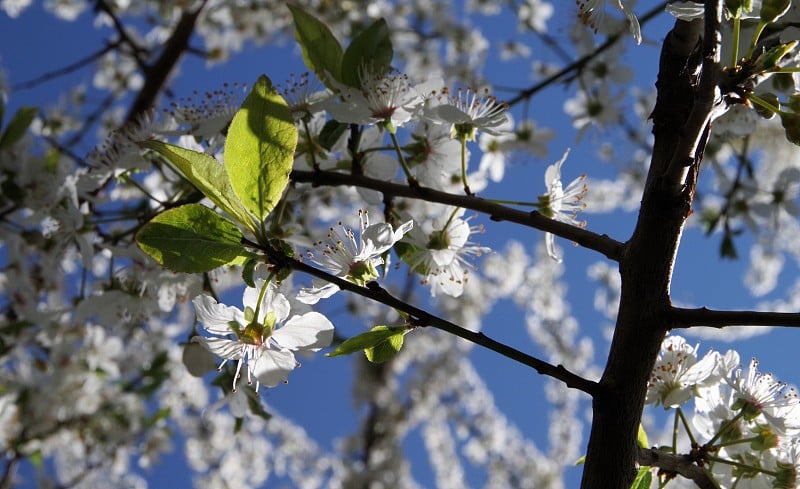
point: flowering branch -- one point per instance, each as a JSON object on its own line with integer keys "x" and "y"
{"x": 580, "y": 63}
{"x": 419, "y": 317}
{"x": 609, "y": 247}
{"x": 703, "y": 316}
{"x": 157, "y": 73}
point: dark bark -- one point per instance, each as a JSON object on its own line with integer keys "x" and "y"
{"x": 646, "y": 264}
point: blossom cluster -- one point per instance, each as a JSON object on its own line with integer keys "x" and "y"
{"x": 744, "y": 424}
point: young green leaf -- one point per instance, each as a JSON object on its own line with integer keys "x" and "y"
{"x": 193, "y": 239}
{"x": 205, "y": 173}
{"x": 379, "y": 344}
{"x": 322, "y": 52}
{"x": 17, "y": 126}
{"x": 643, "y": 479}
{"x": 259, "y": 150}
{"x": 372, "y": 50}
{"x": 641, "y": 438}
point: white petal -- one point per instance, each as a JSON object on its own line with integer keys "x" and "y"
{"x": 550, "y": 243}
{"x": 273, "y": 366}
{"x": 448, "y": 113}
{"x": 378, "y": 238}
{"x": 314, "y": 294}
{"x": 221, "y": 347}
{"x": 311, "y": 331}
{"x": 215, "y": 317}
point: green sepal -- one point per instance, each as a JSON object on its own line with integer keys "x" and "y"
{"x": 17, "y": 126}
{"x": 259, "y": 149}
{"x": 207, "y": 175}
{"x": 192, "y": 238}
{"x": 379, "y": 344}
{"x": 643, "y": 479}
{"x": 322, "y": 52}
{"x": 372, "y": 50}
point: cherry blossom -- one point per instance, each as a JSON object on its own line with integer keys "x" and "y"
{"x": 559, "y": 203}
{"x": 260, "y": 337}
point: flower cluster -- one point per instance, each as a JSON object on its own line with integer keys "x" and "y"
{"x": 743, "y": 418}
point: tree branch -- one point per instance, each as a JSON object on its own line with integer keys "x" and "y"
{"x": 420, "y": 317}
{"x": 580, "y": 63}
{"x": 601, "y": 243}
{"x": 707, "y": 97}
{"x": 157, "y": 73}
{"x": 676, "y": 464}
{"x": 703, "y": 316}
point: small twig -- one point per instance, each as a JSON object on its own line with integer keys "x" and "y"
{"x": 677, "y": 464}
{"x": 50, "y": 75}
{"x": 690, "y": 318}
{"x": 157, "y": 73}
{"x": 420, "y": 317}
{"x": 580, "y": 63}
{"x": 601, "y": 243}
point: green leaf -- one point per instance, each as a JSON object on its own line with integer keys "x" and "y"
{"x": 643, "y": 479}
{"x": 641, "y": 437}
{"x": 791, "y": 125}
{"x": 17, "y": 126}
{"x": 379, "y": 344}
{"x": 322, "y": 52}
{"x": 248, "y": 271}
{"x": 259, "y": 149}
{"x": 205, "y": 173}
{"x": 330, "y": 133}
{"x": 193, "y": 239}
{"x": 370, "y": 49}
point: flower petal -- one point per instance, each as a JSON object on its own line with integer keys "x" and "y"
{"x": 215, "y": 317}
{"x": 273, "y": 366}
{"x": 313, "y": 295}
{"x": 311, "y": 331}
{"x": 221, "y": 347}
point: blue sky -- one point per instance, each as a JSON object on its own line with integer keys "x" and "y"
{"x": 36, "y": 43}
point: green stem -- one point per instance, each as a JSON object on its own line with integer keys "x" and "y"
{"x": 756, "y": 36}
{"x": 311, "y": 147}
{"x": 786, "y": 69}
{"x": 737, "y": 24}
{"x": 464, "y": 165}
{"x": 724, "y": 428}
{"x": 686, "y": 426}
{"x": 401, "y": 158}
{"x": 763, "y": 103}
{"x": 736, "y": 442}
{"x": 742, "y": 465}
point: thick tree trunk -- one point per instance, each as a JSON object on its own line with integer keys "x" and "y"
{"x": 646, "y": 269}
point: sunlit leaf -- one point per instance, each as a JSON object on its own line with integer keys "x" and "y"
{"x": 205, "y": 173}
{"x": 370, "y": 49}
{"x": 259, "y": 149}
{"x": 321, "y": 50}
{"x": 193, "y": 239}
